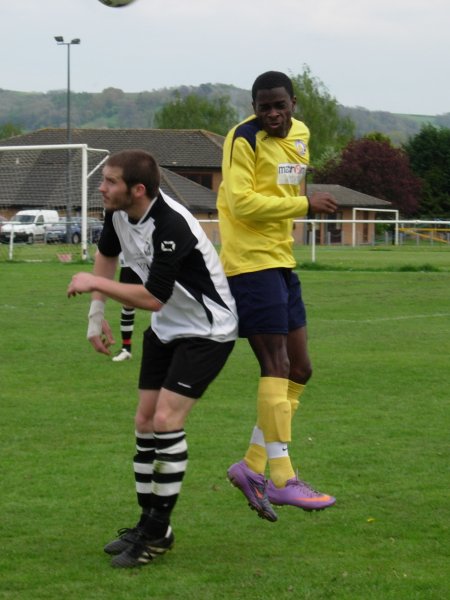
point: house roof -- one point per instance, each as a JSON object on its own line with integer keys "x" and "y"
{"x": 172, "y": 148}
{"x": 46, "y": 174}
{"x": 194, "y": 196}
{"x": 347, "y": 198}
{"x": 178, "y": 150}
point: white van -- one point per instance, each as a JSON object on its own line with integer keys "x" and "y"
{"x": 29, "y": 225}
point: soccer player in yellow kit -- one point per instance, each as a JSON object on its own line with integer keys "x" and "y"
{"x": 265, "y": 158}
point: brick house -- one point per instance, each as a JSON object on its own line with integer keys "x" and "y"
{"x": 190, "y": 161}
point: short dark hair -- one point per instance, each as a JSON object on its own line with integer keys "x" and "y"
{"x": 270, "y": 80}
{"x": 138, "y": 166}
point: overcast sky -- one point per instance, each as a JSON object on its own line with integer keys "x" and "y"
{"x": 390, "y": 55}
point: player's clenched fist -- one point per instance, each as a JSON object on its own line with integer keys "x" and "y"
{"x": 322, "y": 202}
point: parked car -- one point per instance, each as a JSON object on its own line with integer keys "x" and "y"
{"x": 29, "y": 225}
{"x": 57, "y": 234}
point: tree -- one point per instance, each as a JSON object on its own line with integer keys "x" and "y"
{"x": 429, "y": 155}
{"x": 9, "y": 130}
{"x": 377, "y": 136}
{"x": 375, "y": 167}
{"x": 194, "y": 112}
{"x": 320, "y": 111}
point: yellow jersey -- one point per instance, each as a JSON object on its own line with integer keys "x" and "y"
{"x": 260, "y": 196}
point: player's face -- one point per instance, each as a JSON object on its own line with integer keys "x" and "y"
{"x": 113, "y": 188}
{"x": 274, "y": 109}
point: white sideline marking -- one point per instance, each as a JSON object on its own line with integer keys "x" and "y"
{"x": 380, "y": 319}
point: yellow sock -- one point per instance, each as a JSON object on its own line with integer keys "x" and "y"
{"x": 256, "y": 458}
{"x": 256, "y": 455}
{"x": 295, "y": 390}
{"x": 274, "y": 419}
{"x": 281, "y": 470}
{"x": 274, "y": 410}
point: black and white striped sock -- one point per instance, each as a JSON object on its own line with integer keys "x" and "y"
{"x": 169, "y": 467}
{"x": 127, "y": 326}
{"x": 143, "y": 468}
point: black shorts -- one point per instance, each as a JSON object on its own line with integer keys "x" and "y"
{"x": 127, "y": 275}
{"x": 185, "y": 366}
{"x": 268, "y": 301}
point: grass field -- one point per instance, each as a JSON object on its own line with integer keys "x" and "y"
{"x": 373, "y": 430}
{"x": 409, "y": 256}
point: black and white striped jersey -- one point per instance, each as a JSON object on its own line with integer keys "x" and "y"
{"x": 177, "y": 263}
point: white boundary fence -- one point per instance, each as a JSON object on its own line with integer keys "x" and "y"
{"x": 398, "y": 225}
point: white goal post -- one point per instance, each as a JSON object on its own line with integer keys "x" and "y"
{"x": 54, "y": 177}
{"x": 375, "y": 210}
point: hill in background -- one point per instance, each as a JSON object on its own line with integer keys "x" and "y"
{"x": 113, "y": 108}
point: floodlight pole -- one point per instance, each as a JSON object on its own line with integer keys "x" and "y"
{"x": 60, "y": 41}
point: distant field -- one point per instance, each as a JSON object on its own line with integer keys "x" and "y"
{"x": 421, "y": 119}
{"x": 372, "y": 429}
{"x": 390, "y": 258}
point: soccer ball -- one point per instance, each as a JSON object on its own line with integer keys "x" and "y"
{"x": 116, "y": 3}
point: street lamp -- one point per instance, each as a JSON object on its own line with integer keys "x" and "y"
{"x": 60, "y": 41}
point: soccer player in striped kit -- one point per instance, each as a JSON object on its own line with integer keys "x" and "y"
{"x": 193, "y": 330}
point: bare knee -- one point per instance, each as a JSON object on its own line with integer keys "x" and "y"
{"x": 166, "y": 418}
{"x": 276, "y": 367}
{"x": 161, "y": 421}
{"x": 271, "y": 353}
{"x": 301, "y": 373}
{"x": 143, "y": 423}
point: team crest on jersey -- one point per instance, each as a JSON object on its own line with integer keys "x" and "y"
{"x": 301, "y": 147}
{"x": 148, "y": 249}
{"x": 168, "y": 246}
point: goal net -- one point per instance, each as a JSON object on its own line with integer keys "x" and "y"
{"x": 44, "y": 179}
